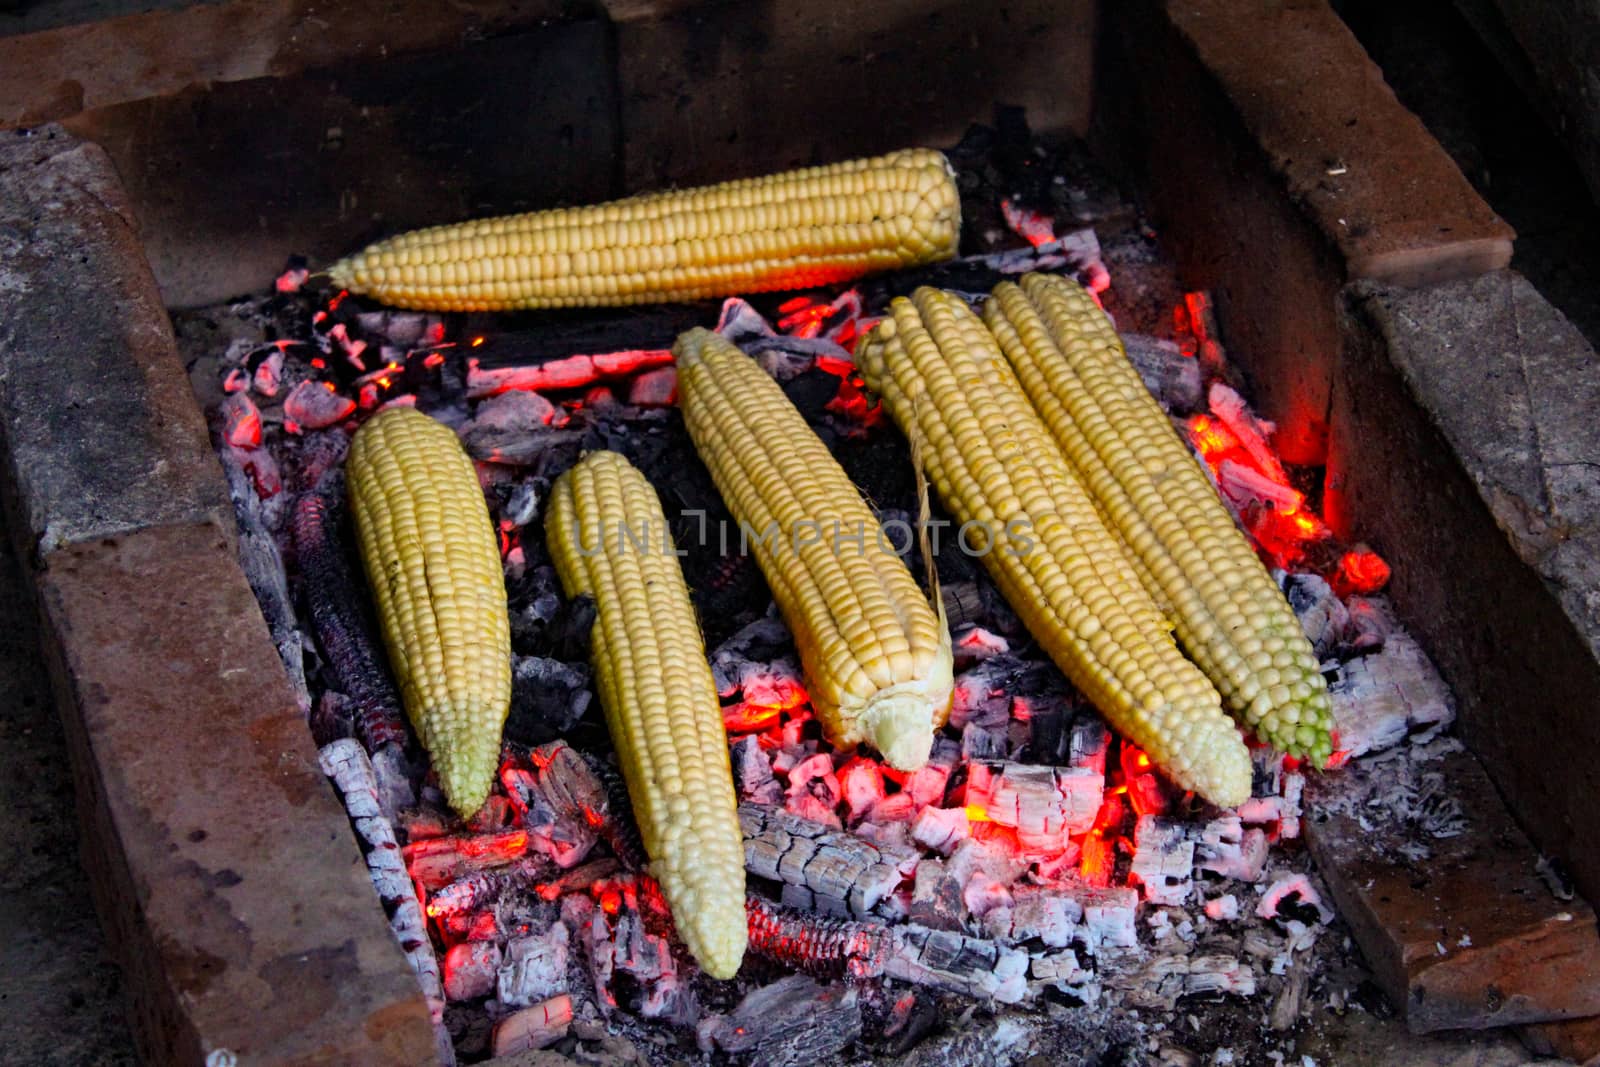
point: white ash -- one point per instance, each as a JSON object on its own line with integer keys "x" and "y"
{"x": 1173, "y": 378}
{"x": 752, "y": 773}
{"x": 1163, "y": 860}
{"x": 943, "y": 959}
{"x": 844, "y": 871}
{"x": 1381, "y": 699}
{"x": 534, "y": 968}
{"x": 346, "y": 764}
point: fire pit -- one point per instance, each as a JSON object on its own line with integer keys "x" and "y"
{"x": 1036, "y": 888}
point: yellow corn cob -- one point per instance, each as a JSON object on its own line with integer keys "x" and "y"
{"x": 609, "y": 540}
{"x": 876, "y": 654}
{"x": 1229, "y": 613}
{"x": 996, "y": 468}
{"x": 432, "y": 560}
{"x": 794, "y": 230}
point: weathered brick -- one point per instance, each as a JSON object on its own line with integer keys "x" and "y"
{"x": 101, "y": 431}
{"x": 1440, "y": 887}
{"x": 711, "y": 91}
{"x": 1281, "y": 166}
{"x": 1464, "y": 451}
{"x": 220, "y": 860}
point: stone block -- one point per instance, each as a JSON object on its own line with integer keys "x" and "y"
{"x": 222, "y": 864}
{"x": 100, "y": 429}
{"x": 1310, "y": 174}
{"x": 1442, "y": 892}
{"x": 1464, "y": 451}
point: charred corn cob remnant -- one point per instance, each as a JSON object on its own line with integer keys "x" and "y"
{"x": 609, "y": 540}
{"x": 794, "y": 230}
{"x": 875, "y": 652}
{"x": 430, "y": 554}
{"x": 997, "y": 469}
{"x": 1230, "y": 615}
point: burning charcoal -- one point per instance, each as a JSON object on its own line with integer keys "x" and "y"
{"x": 1044, "y": 805}
{"x": 1226, "y": 848}
{"x": 1090, "y": 743}
{"x": 1163, "y": 860}
{"x": 533, "y": 1028}
{"x": 861, "y": 781}
{"x": 814, "y": 778}
{"x": 765, "y": 689}
{"x": 571, "y": 372}
{"x": 535, "y": 967}
{"x": 548, "y": 697}
{"x": 1109, "y": 918}
{"x": 263, "y": 567}
{"x": 995, "y": 859}
{"x": 826, "y": 948}
{"x": 983, "y": 893}
{"x": 981, "y": 743}
{"x": 1061, "y": 971}
{"x": 1322, "y": 615}
{"x": 654, "y": 388}
{"x": 268, "y": 377}
{"x": 1291, "y": 896}
{"x": 974, "y": 645}
{"x": 241, "y": 421}
{"x": 894, "y": 809}
{"x": 403, "y": 329}
{"x": 1174, "y": 379}
{"x": 1371, "y": 620}
{"x": 623, "y": 944}
{"x": 516, "y": 428}
{"x": 1378, "y": 700}
{"x": 469, "y": 970}
{"x": 936, "y": 897}
{"x": 837, "y": 866}
{"x": 943, "y": 959}
{"x": 1049, "y": 914}
{"x": 436, "y": 862}
{"x": 346, "y": 764}
{"x": 982, "y": 695}
{"x": 315, "y": 406}
{"x": 481, "y": 887}
{"x": 752, "y": 772}
{"x": 1223, "y": 909}
{"x": 941, "y": 829}
{"x": 794, "y": 1022}
{"x": 522, "y": 506}
{"x": 238, "y": 379}
{"x": 926, "y": 785}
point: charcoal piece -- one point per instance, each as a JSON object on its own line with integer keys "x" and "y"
{"x": 263, "y": 568}
{"x": 823, "y": 947}
{"x": 1323, "y": 617}
{"x": 752, "y": 772}
{"x": 529, "y": 338}
{"x": 794, "y": 1022}
{"x": 620, "y": 828}
{"x": 334, "y": 602}
{"x": 1173, "y": 378}
{"x": 973, "y": 967}
{"x": 548, "y": 697}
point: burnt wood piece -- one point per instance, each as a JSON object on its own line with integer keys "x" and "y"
{"x": 333, "y": 601}
{"x": 794, "y": 1022}
{"x": 1444, "y": 896}
{"x": 620, "y": 829}
{"x": 814, "y": 944}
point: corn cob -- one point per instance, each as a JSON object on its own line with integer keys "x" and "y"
{"x": 608, "y": 539}
{"x": 433, "y": 563}
{"x": 876, "y": 653}
{"x": 1230, "y": 616}
{"x": 996, "y": 468}
{"x": 794, "y": 230}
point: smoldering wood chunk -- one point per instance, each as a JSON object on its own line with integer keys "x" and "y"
{"x": 1172, "y": 378}
{"x": 794, "y": 1022}
{"x": 845, "y": 872}
{"x": 824, "y": 947}
{"x": 1379, "y": 700}
{"x": 944, "y": 959}
{"x": 1163, "y": 860}
{"x": 1323, "y": 616}
{"x": 534, "y": 967}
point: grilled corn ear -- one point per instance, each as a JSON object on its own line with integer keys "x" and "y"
{"x": 997, "y": 469}
{"x": 1230, "y": 615}
{"x": 609, "y": 540}
{"x": 433, "y": 562}
{"x": 795, "y": 230}
{"x": 876, "y": 653}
